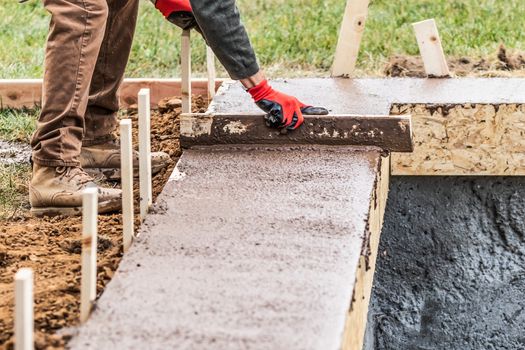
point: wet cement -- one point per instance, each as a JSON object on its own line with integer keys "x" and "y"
{"x": 451, "y": 266}
{"x": 252, "y": 247}
{"x": 375, "y": 96}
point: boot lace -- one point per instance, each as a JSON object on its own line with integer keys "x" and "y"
{"x": 74, "y": 174}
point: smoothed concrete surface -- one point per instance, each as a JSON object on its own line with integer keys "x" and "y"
{"x": 249, "y": 247}
{"x": 451, "y": 266}
{"x": 375, "y": 96}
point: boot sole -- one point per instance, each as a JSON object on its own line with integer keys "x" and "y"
{"x": 103, "y": 208}
{"x": 114, "y": 174}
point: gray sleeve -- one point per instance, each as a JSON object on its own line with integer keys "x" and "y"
{"x": 221, "y": 25}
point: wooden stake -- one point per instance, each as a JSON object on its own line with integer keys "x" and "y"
{"x": 186, "y": 72}
{"x": 431, "y": 49}
{"x": 126, "y": 155}
{"x": 24, "y": 322}
{"x": 146, "y": 192}
{"x": 350, "y": 35}
{"x": 88, "y": 288}
{"x": 210, "y": 63}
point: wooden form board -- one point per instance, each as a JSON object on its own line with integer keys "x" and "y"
{"x": 387, "y": 132}
{"x": 431, "y": 49}
{"x": 19, "y": 93}
{"x": 349, "y": 41}
{"x": 470, "y": 139}
{"x": 185, "y": 63}
{"x": 355, "y": 325}
{"x": 210, "y": 65}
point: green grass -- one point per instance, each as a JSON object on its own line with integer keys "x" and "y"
{"x": 291, "y": 37}
{"x": 13, "y": 189}
{"x": 17, "y": 125}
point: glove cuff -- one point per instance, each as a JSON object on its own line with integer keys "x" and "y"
{"x": 260, "y": 91}
{"x": 167, "y": 7}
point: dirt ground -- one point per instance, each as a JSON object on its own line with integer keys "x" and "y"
{"x": 51, "y": 246}
{"x": 505, "y": 63}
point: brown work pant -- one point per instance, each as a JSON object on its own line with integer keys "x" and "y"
{"x": 86, "y": 54}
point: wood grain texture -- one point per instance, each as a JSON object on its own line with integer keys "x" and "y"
{"x": 185, "y": 67}
{"x": 431, "y": 48}
{"x": 470, "y": 139}
{"x": 349, "y": 41}
{"x": 389, "y": 133}
{"x": 355, "y": 325}
{"x": 19, "y": 93}
{"x": 210, "y": 67}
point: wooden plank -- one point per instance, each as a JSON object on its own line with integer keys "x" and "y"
{"x": 186, "y": 71}
{"x": 465, "y": 139}
{"x": 24, "y": 310}
{"x": 431, "y": 49}
{"x": 210, "y": 64}
{"x": 390, "y": 133}
{"x": 20, "y": 93}
{"x": 355, "y": 325}
{"x": 126, "y": 156}
{"x": 88, "y": 284}
{"x": 145, "y": 177}
{"x": 349, "y": 41}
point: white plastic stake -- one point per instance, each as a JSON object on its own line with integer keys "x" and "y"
{"x": 431, "y": 49}
{"x": 88, "y": 288}
{"x": 24, "y": 322}
{"x": 186, "y": 72}
{"x": 126, "y": 156}
{"x": 210, "y": 63}
{"x": 350, "y": 34}
{"x": 146, "y": 191}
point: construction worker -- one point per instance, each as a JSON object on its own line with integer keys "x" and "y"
{"x": 87, "y": 51}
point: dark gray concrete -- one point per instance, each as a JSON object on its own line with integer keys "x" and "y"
{"x": 249, "y": 247}
{"x": 451, "y": 266}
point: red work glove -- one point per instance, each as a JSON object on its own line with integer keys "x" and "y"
{"x": 178, "y": 12}
{"x": 284, "y": 111}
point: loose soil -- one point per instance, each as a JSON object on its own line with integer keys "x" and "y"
{"x": 51, "y": 246}
{"x": 505, "y": 63}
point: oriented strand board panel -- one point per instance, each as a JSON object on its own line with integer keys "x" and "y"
{"x": 247, "y": 249}
{"x": 470, "y": 139}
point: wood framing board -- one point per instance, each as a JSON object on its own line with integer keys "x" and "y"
{"x": 431, "y": 49}
{"x": 469, "y": 139}
{"x": 355, "y": 325}
{"x": 389, "y": 133}
{"x": 27, "y": 93}
{"x": 349, "y": 40}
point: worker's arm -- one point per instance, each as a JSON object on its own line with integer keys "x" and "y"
{"x": 220, "y": 24}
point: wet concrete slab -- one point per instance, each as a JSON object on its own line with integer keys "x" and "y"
{"x": 375, "y": 96}
{"x": 248, "y": 247}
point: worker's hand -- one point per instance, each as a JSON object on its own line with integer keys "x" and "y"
{"x": 178, "y": 12}
{"x": 284, "y": 111}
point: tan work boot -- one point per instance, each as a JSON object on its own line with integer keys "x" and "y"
{"x": 104, "y": 160}
{"x": 58, "y": 191}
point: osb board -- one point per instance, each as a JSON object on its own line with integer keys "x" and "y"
{"x": 469, "y": 139}
{"x": 355, "y": 325}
